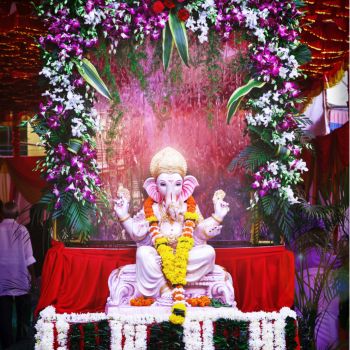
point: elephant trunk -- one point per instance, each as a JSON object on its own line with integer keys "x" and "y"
{"x": 172, "y": 205}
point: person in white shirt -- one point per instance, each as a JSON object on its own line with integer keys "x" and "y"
{"x": 16, "y": 275}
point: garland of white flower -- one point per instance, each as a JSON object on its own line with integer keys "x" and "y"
{"x": 192, "y": 335}
{"x": 266, "y": 329}
{"x": 44, "y": 337}
{"x": 208, "y": 331}
{"x": 116, "y": 334}
{"x": 62, "y": 327}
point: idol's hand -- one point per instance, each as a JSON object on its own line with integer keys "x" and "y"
{"x": 121, "y": 203}
{"x": 221, "y": 208}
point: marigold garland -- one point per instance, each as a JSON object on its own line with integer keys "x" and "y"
{"x": 201, "y": 301}
{"x": 178, "y": 313}
{"x": 174, "y": 266}
{"x": 141, "y": 301}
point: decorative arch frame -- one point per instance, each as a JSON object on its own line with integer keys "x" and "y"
{"x": 67, "y": 121}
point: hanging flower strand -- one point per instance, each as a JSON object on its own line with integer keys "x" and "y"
{"x": 174, "y": 266}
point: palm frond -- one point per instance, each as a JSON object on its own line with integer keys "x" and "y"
{"x": 251, "y": 157}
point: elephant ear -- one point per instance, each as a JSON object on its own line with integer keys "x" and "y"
{"x": 188, "y": 186}
{"x": 151, "y": 188}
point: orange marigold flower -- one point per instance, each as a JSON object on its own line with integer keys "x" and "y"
{"x": 141, "y": 301}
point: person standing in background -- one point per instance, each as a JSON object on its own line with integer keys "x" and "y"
{"x": 39, "y": 237}
{"x": 17, "y": 275}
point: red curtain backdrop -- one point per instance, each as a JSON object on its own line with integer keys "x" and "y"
{"x": 26, "y": 181}
{"x": 75, "y": 279}
{"x": 330, "y": 163}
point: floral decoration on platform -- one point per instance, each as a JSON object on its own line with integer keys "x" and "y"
{"x": 141, "y": 301}
{"x": 204, "y": 329}
{"x": 67, "y": 121}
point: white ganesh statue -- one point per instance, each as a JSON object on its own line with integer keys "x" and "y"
{"x": 173, "y": 260}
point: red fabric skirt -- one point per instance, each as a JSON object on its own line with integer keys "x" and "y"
{"x": 75, "y": 279}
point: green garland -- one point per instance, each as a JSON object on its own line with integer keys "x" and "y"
{"x": 92, "y": 335}
{"x": 230, "y": 334}
{"x": 166, "y": 336}
{"x": 213, "y": 68}
{"x": 290, "y": 330}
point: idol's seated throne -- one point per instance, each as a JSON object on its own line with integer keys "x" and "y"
{"x": 173, "y": 261}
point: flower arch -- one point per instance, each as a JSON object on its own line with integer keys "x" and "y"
{"x": 67, "y": 121}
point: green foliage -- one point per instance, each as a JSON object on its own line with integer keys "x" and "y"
{"x": 136, "y": 67}
{"x": 74, "y": 217}
{"x": 322, "y": 283}
{"x": 115, "y": 117}
{"x": 290, "y": 330}
{"x": 231, "y": 334}
{"x": 252, "y": 157}
{"x": 103, "y": 55}
{"x": 167, "y": 45}
{"x": 218, "y": 303}
{"x": 277, "y": 213}
{"x": 212, "y": 63}
{"x": 74, "y": 336}
{"x": 89, "y": 335}
{"x": 302, "y": 54}
{"x": 93, "y": 335}
{"x": 88, "y": 71}
{"x": 178, "y": 31}
{"x": 238, "y": 95}
{"x": 166, "y": 336}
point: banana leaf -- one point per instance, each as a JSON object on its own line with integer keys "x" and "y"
{"x": 236, "y": 98}
{"x": 168, "y": 44}
{"x": 178, "y": 31}
{"x": 88, "y": 71}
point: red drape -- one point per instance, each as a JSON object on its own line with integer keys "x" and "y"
{"x": 26, "y": 180}
{"x": 75, "y": 279}
{"x": 330, "y": 161}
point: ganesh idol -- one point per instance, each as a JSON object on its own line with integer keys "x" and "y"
{"x": 171, "y": 236}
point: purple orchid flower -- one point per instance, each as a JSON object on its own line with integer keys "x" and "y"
{"x": 61, "y": 151}
{"x": 255, "y": 185}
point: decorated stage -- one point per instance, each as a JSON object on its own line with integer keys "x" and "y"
{"x": 75, "y": 279}
{"x": 74, "y": 293}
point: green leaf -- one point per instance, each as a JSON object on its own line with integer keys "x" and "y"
{"x": 47, "y": 198}
{"x": 78, "y": 217}
{"x": 168, "y": 44}
{"x": 237, "y": 96}
{"x": 178, "y": 31}
{"x": 252, "y": 157}
{"x": 302, "y": 54}
{"x": 232, "y": 109}
{"x": 88, "y": 71}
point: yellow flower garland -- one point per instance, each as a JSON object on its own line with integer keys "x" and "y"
{"x": 174, "y": 266}
{"x": 178, "y": 313}
{"x": 184, "y": 245}
{"x": 167, "y": 256}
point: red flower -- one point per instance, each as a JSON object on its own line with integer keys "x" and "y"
{"x": 169, "y": 4}
{"x": 158, "y": 7}
{"x": 183, "y": 15}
